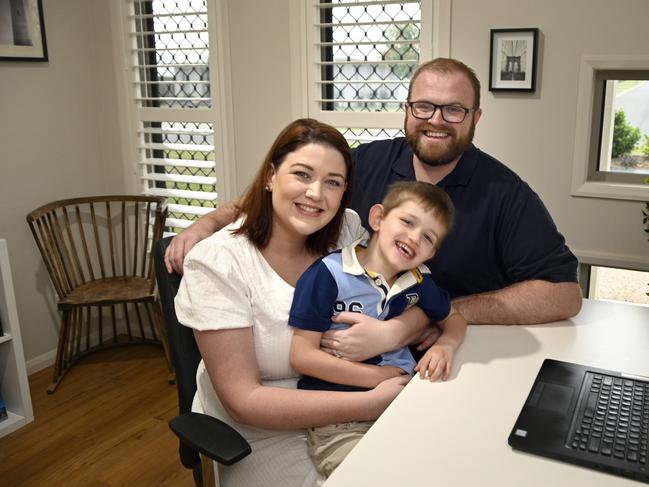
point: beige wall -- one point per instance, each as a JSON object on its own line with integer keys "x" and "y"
{"x": 59, "y": 127}
{"x": 534, "y": 134}
{"x": 261, "y": 76}
{"x": 58, "y": 139}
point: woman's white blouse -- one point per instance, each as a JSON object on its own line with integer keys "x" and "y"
{"x": 227, "y": 283}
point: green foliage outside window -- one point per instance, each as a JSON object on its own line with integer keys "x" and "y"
{"x": 625, "y": 136}
{"x": 399, "y": 51}
{"x": 645, "y": 212}
{"x": 645, "y": 146}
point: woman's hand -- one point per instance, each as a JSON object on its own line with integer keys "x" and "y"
{"x": 368, "y": 337}
{"x": 364, "y": 339}
{"x": 383, "y": 394}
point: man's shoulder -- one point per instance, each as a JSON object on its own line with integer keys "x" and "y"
{"x": 498, "y": 178}
{"x": 492, "y": 167}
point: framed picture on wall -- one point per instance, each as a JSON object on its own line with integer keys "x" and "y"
{"x": 512, "y": 61}
{"x": 22, "y": 31}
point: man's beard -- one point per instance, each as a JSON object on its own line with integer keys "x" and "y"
{"x": 455, "y": 149}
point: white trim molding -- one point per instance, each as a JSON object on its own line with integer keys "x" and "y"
{"x": 581, "y": 184}
{"x": 609, "y": 259}
{"x": 137, "y": 118}
{"x": 434, "y": 41}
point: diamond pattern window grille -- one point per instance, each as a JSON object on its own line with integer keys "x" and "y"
{"x": 368, "y": 52}
{"x": 170, "y": 48}
{"x": 358, "y": 136}
{"x": 178, "y": 162}
{"x": 172, "y": 53}
{"x": 360, "y": 57}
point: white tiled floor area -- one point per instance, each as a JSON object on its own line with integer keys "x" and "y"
{"x": 619, "y": 285}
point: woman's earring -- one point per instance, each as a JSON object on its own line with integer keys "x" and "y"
{"x": 268, "y": 188}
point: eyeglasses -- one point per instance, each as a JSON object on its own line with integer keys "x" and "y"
{"x": 424, "y": 110}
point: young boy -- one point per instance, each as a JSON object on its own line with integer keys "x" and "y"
{"x": 381, "y": 280}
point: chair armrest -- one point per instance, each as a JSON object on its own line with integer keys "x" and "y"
{"x": 210, "y": 436}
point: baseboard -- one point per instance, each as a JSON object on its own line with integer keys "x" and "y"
{"x": 48, "y": 358}
{"x": 41, "y": 362}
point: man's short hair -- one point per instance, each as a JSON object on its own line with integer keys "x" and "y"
{"x": 431, "y": 197}
{"x": 448, "y": 65}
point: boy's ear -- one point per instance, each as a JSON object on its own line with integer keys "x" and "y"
{"x": 375, "y": 217}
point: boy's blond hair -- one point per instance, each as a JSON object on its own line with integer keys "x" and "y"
{"x": 431, "y": 197}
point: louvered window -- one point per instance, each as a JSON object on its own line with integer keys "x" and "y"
{"x": 360, "y": 59}
{"x": 177, "y": 147}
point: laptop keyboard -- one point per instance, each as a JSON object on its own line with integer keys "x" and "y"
{"x": 613, "y": 419}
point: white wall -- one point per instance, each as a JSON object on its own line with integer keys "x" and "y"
{"x": 58, "y": 139}
{"x": 59, "y": 128}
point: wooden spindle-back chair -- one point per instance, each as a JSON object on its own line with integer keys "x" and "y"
{"x": 97, "y": 251}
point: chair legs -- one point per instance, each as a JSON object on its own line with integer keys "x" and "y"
{"x": 159, "y": 322}
{"x": 61, "y": 364}
{"x": 78, "y": 321}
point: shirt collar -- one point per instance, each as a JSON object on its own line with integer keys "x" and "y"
{"x": 352, "y": 266}
{"x": 350, "y": 259}
{"x": 403, "y": 165}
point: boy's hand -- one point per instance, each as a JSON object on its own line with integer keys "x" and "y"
{"x": 436, "y": 363}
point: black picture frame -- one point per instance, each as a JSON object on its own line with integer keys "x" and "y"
{"x": 22, "y": 31}
{"x": 513, "y": 59}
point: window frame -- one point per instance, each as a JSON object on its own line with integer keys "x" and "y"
{"x": 434, "y": 42}
{"x": 592, "y": 126}
{"x": 219, "y": 115}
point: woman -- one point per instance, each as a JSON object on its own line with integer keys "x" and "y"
{"x": 236, "y": 293}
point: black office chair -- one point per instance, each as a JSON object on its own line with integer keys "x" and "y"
{"x": 202, "y": 438}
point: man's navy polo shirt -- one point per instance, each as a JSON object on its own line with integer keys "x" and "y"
{"x": 502, "y": 232}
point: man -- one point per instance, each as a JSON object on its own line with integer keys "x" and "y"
{"x": 504, "y": 262}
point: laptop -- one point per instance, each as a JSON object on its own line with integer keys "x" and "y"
{"x": 587, "y": 416}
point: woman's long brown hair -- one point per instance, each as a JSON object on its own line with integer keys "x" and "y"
{"x": 256, "y": 205}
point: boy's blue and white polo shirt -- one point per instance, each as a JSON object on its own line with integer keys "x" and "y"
{"x": 337, "y": 282}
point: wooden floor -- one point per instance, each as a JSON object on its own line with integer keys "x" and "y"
{"x": 105, "y": 426}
